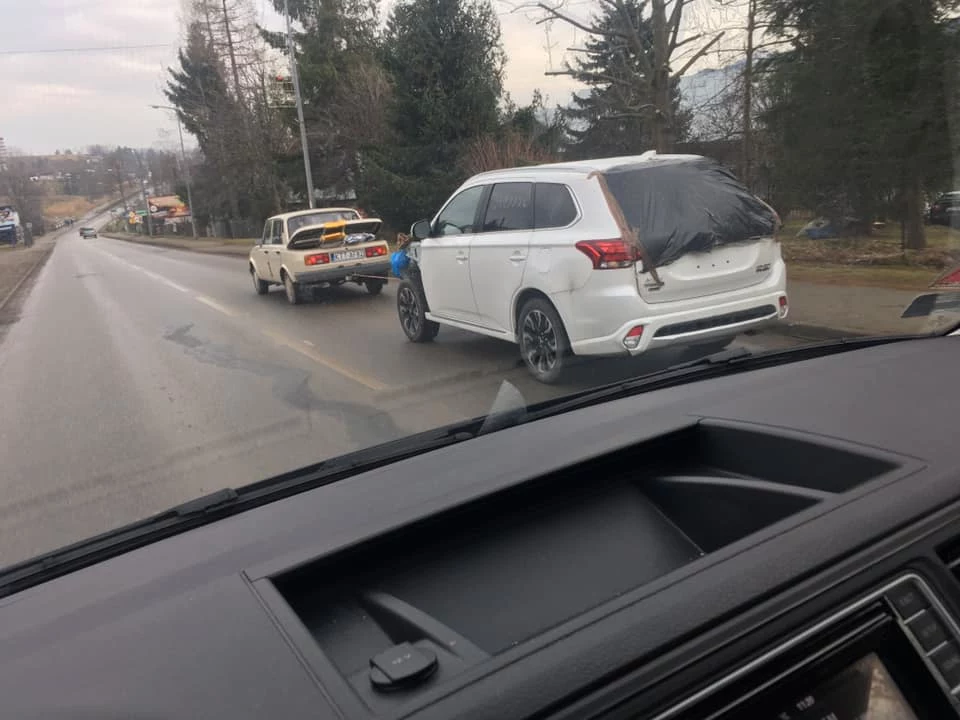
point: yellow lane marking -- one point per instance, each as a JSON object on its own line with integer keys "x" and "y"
{"x": 215, "y": 305}
{"x": 365, "y": 380}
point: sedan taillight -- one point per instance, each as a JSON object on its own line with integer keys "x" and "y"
{"x": 609, "y": 254}
{"x": 318, "y": 259}
{"x": 376, "y": 251}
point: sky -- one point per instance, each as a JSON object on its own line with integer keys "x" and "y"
{"x": 61, "y": 90}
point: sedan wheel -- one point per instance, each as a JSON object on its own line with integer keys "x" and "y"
{"x": 293, "y": 292}
{"x": 261, "y": 286}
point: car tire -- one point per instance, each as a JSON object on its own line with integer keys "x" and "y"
{"x": 293, "y": 292}
{"x": 543, "y": 341}
{"x": 411, "y": 309}
{"x": 261, "y": 286}
{"x": 374, "y": 287}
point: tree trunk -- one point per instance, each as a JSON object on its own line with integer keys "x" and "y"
{"x": 663, "y": 132}
{"x": 747, "y": 170}
{"x": 916, "y": 238}
{"x": 233, "y": 56}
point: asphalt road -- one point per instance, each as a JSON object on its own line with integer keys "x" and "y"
{"x": 140, "y": 377}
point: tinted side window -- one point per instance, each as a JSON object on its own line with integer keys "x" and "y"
{"x": 510, "y": 207}
{"x": 265, "y": 240}
{"x": 553, "y": 206}
{"x": 277, "y": 232}
{"x": 459, "y": 214}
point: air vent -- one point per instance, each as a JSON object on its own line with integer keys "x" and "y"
{"x": 950, "y": 554}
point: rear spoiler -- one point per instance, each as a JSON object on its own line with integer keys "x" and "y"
{"x": 332, "y": 233}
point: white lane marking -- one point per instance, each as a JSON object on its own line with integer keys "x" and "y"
{"x": 215, "y": 305}
{"x": 365, "y": 380}
{"x": 172, "y": 284}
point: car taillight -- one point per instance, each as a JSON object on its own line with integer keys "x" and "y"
{"x": 609, "y": 254}
{"x": 632, "y": 339}
{"x": 376, "y": 251}
{"x": 952, "y": 278}
{"x": 318, "y": 259}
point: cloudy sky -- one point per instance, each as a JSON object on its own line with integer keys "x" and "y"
{"x": 57, "y": 96}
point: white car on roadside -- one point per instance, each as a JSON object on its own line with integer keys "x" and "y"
{"x": 318, "y": 248}
{"x": 600, "y": 257}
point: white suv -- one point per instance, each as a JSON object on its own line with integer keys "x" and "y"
{"x": 600, "y": 257}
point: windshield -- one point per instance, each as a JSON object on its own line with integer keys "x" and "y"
{"x": 566, "y": 195}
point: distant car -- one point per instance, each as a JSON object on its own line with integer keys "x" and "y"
{"x": 945, "y": 210}
{"x": 599, "y": 257}
{"x": 88, "y": 232}
{"x": 316, "y": 248}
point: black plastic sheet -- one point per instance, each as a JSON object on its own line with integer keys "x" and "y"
{"x": 682, "y": 205}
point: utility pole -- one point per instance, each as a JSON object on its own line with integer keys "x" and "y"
{"x": 186, "y": 168}
{"x": 143, "y": 191}
{"x": 295, "y": 76}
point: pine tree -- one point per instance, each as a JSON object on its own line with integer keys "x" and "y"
{"x": 613, "y": 117}
{"x": 859, "y": 107}
{"x": 445, "y": 63}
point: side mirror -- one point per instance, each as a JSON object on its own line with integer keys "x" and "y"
{"x": 420, "y": 229}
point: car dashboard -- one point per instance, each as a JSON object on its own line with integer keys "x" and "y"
{"x": 778, "y": 543}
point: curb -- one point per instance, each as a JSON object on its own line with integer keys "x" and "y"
{"x": 30, "y": 271}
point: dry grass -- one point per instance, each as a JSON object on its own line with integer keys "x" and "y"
{"x": 57, "y": 207}
{"x": 880, "y": 249}
{"x": 893, "y": 277}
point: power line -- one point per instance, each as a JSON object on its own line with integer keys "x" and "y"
{"x": 109, "y": 48}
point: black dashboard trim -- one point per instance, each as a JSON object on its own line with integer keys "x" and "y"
{"x": 811, "y": 632}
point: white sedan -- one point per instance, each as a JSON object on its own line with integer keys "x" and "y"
{"x": 319, "y": 248}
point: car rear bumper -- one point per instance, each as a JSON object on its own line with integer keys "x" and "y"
{"x": 708, "y": 319}
{"x": 379, "y": 269}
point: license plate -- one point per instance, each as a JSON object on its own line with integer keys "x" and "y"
{"x": 346, "y": 255}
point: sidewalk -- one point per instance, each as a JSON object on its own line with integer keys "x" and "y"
{"x": 237, "y": 247}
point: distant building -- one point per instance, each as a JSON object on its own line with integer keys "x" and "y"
{"x": 3, "y": 155}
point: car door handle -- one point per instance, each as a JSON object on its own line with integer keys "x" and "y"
{"x": 518, "y": 257}
{"x": 462, "y": 257}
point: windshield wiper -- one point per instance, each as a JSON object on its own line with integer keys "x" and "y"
{"x": 221, "y": 504}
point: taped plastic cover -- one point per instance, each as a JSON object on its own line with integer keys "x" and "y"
{"x": 689, "y": 204}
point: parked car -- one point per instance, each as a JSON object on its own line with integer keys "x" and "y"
{"x": 321, "y": 247}
{"x": 548, "y": 257}
{"x": 945, "y": 210}
{"x": 88, "y": 232}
